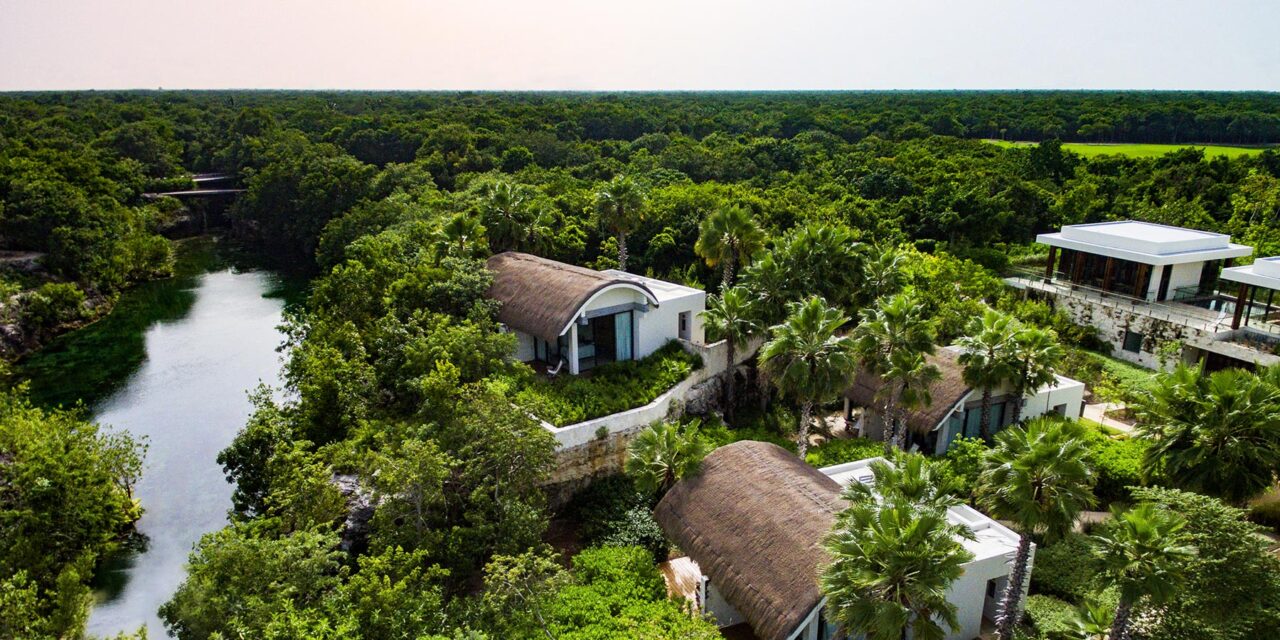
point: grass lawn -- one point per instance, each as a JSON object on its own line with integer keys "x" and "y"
{"x": 1090, "y": 149}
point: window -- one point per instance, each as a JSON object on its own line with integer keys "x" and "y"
{"x": 1060, "y": 409}
{"x": 683, "y": 328}
{"x": 1132, "y": 341}
{"x": 991, "y": 588}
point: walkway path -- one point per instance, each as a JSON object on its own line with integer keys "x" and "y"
{"x": 1098, "y": 413}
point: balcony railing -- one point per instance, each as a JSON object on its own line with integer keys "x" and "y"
{"x": 1181, "y": 313}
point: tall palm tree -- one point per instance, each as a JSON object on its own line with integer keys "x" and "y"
{"x": 1037, "y": 477}
{"x": 909, "y": 378}
{"x": 1215, "y": 433}
{"x": 620, "y": 208}
{"x": 461, "y": 235}
{"x": 1037, "y": 355}
{"x": 892, "y": 338}
{"x": 664, "y": 454}
{"x": 892, "y": 563}
{"x": 1143, "y": 551}
{"x": 808, "y": 361}
{"x": 731, "y": 317}
{"x": 727, "y": 237}
{"x": 988, "y": 358}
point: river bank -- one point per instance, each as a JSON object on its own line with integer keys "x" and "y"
{"x": 172, "y": 364}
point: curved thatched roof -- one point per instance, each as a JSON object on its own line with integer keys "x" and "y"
{"x": 541, "y": 297}
{"x": 948, "y": 390}
{"x": 754, "y": 519}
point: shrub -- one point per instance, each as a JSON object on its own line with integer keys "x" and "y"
{"x": 1265, "y": 509}
{"x": 1065, "y": 569}
{"x": 1118, "y": 466}
{"x": 53, "y": 304}
{"x": 612, "y": 512}
{"x": 834, "y": 452}
{"x": 611, "y": 388}
{"x": 1049, "y": 616}
{"x": 753, "y": 425}
{"x": 963, "y": 463}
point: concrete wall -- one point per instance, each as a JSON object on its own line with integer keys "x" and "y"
{"x": 657, "y": 326}
{"x": 597, "y": 448}
{"x": 720, "y": 610}
{"x": 1066, "y": 392}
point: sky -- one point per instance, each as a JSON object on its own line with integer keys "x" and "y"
{"x": 640, "y": 44}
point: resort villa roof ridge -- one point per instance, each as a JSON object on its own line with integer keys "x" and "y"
{"x": 567, "y": 314}
{"x": 752, "y": 522}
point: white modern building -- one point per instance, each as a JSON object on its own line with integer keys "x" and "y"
{"x": 955, "y": 409}
{"x": 1256, "y": 283}
{"x": 577, "y": 318}
{"x": 1142, "y": 285}
{"x": 752, "y": 523}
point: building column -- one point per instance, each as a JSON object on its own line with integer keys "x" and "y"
{"x": 1242, "y": 298}
{"x": 573, "y": 347}
{"x": 1048, "y": 270}
{"x": 1106, "y": 278}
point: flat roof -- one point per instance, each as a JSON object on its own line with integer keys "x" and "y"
{"x": 992, "y": 539}
{"x": 661, "y": 288}
{"x": 1264, "y": 272}
{"x": 1145, "y": 242}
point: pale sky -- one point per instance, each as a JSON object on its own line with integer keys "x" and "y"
{"x": 640, "y": 44}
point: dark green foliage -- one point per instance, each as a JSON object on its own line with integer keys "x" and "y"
{"x": 1065, "y": 569}
{"x": 839, "y": 451}
{"x": 1048, "y": 616}
{"x": 53, "y": 304}
{"x": 1117, "y": 465}
{"x": 1232, "y": 588}
{"x": 66, "y": 500}
{"x": 612, "y": 387}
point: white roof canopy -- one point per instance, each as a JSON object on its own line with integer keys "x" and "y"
{"x": 1145, "y": 242}
{"x": 1264, "y": 272}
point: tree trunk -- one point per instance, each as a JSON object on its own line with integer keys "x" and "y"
{"x": 1010, "y": 608}
{"x": 802, "y": 433}
{"x": 730, "y": 382}
{"x": 887, "y": 419}
{"x": 1120, "y": 626}
{"x": 1017, "y": 404}
{"x": 726, "y": 278}
{"x": 622, "y": 251}
{"x": 986, "y": 415}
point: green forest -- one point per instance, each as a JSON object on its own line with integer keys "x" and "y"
{"x": 855, "y": 211}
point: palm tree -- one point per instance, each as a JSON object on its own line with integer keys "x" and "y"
{"x": 892, "y": 564}
{"x": 892, "y": 339}
{"x": 461, "y": 235}
{"x": 806, "y": 359}
{"x": 910, "y": 377}
{"x": 728, "y": 236}
{"x": 509, "y": 215}
{"x": 664, "y": 454}
{"x": 913, "y": 479}
{"x": 1036, "y": 476}
{"x": 988, "y": 358}
{"x": 1037, "y": 355}
{"x": 620, "y": 207}
{"x": 1143, "y": 551}
{"x": 1092, "y": 620}
{"x": 730, "y": 316}
{"x": 882, "y": 272}
{"x": 1215, "y": 433}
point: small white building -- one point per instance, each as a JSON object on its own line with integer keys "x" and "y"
{"x": 752, "y": 522}
{"x": 956, "y": 408}
{"x": 566, "y": 314}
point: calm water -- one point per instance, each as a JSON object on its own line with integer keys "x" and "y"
{"x": 172, "y": 364}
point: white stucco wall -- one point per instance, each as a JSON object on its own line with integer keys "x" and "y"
{"x": 1185, "y": 275}
{"x": 658, "y": 326}
{"x": 720, "y": 610}
{"x": 614, "y": 297}
{"x": 524, "y": 346}
{"x": 1065, "y": 392}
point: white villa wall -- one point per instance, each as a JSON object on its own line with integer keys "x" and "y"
{"x": 1065, "y": 392}
{"x": 969, "y": 594}
{"x": 657, "y": 326}
{"x": 613, "y": 298}
{"x": 721, "y": 611}
{"x": 1183, "y": 275}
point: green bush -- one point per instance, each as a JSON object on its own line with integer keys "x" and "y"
{"x": 1065, "y": 569}
{"x": 1048, "y": 616}
{"x": 963, "y": 463}
{"x": 612, "y": 512}
{"x": 834, "y": 452}
{"x": 610, "y": 388}
{"x": 720, "y": 434}
{"x": 1117, "y": 463}
{"x": 53, "y": 304}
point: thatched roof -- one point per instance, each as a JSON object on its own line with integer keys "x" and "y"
{"x": 754, "y": 519}
{"x": 541, "y": 297}
{"x": 948, "y": 390}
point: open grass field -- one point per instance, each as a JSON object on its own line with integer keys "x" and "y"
{"x": 1089, "y": 149}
